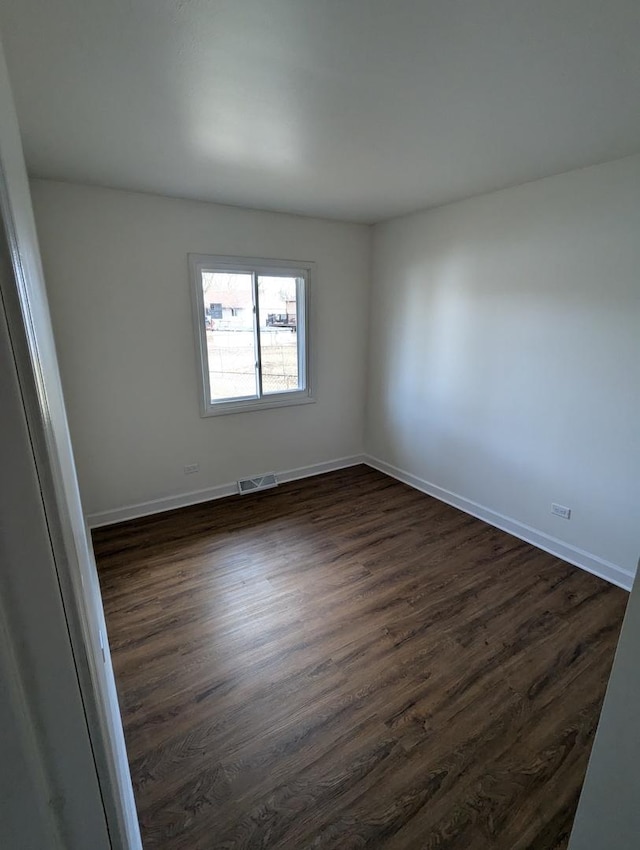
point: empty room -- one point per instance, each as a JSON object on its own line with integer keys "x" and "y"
{"x": 328, "y": 354}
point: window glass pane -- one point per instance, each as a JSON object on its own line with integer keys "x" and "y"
{"x": 231, "y": 354}
{"x": 279, "y": 338}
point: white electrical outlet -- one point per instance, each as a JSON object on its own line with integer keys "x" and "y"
{"x": 191, "y": 468}
{"x": 561, "y": 511}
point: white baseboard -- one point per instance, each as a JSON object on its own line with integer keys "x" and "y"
{"x": 169, "y": 503}
{"x": 572, "y": 554}
{"x": 319, "y": 468}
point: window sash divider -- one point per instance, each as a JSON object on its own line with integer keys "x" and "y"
{"x": 256, "y": 332}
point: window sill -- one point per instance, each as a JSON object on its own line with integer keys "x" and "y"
{"x": 226, "y": 408}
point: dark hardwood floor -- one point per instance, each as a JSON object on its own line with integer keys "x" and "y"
{"x": 346, "y": 663}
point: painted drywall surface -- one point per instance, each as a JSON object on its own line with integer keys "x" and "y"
{"x": 117, "y": 278}
{"x": 505, "y": 353}
{"x": 349, "y": 109}
{"x": 608, "y": 814}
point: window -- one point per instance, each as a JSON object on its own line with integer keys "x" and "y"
{"x": 251, "y": 320}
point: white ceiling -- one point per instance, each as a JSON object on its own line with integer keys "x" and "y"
{"x": 354, "y": 109}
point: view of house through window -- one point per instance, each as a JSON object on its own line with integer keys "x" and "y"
{"x": 228, "y": 307}
{"x": 254, "y": 342}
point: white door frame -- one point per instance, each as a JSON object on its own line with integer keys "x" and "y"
{"x": 31, "y": 340}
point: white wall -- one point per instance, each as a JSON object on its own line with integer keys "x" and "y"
{"x": 116, "y": 269}
{"x": 505, "y": 356}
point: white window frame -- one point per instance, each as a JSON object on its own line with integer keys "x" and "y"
{"x": 304, "y": 270}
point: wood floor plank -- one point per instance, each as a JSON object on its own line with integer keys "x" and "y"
{"x": 343, "y": 663}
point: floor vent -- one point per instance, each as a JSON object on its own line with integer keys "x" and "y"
{"x": 261, "y": 482}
